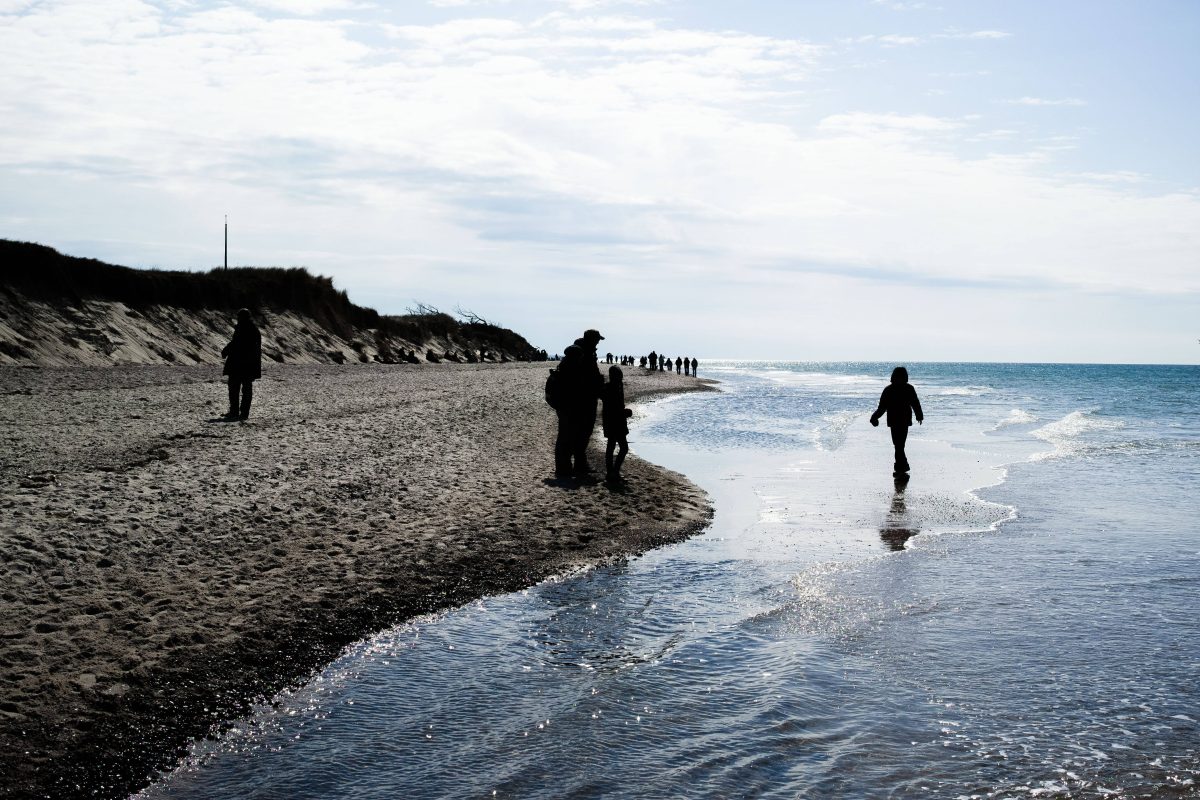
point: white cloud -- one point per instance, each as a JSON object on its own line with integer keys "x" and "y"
{"x": 1119, "y": 176}
{"x": 1042, "y": 101}
{"x": 998, "y": 134}
{"x": 979, "y": 35}
{"x": 308, "y": 8}
{"x": 907, "y": 40}
{"x": 900, "y": 5}
{"x": 887, "y": 39}
{"x": 876, "y": 124}
{"x": 555, "y": 153}
{"x": 464, "y": 3}
{"x": 583, "y": 5}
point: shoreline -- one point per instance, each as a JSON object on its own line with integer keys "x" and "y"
{"x": 163, "y": 571}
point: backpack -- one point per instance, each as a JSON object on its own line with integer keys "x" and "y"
{"x": 554, "y": 389}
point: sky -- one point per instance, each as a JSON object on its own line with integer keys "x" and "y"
{"x": 891, "y": 180}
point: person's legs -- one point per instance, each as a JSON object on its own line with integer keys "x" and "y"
{"x": 247, "y": 396}
{"x": 234, "y": 385}
{"x": 563, "y": 447}
{"x": 582, "y": 437}
{"x": 622, "y": 449}
{"x": 608, "y": 457}
{"x": 899, "y": 436}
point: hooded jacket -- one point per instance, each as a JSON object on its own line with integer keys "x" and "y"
{"x": 899, "y": 401}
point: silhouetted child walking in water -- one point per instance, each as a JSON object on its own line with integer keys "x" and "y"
{"x": 615, "y": 420}
{"x": 899, "y": 401}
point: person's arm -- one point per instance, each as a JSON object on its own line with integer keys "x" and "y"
{"x": 235, "y": 343}
{"x": 882, "y": 407}
{"x": 916, "y": 404}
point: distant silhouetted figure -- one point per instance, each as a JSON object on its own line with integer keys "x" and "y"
{"x": 243, "y": 364}
{"x": 578, "y": 386}
{"x": 695, "y": 364}
{"x": 616, "y": 426}
{"x": 687, "y": 366}
{"x": 899, "y": 401}
{"x": 662, "y": 361}
{"x": 678, "y": 365}
{"x": 653, "y": 360}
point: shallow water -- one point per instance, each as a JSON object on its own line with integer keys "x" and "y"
{"x": 833, "y": 634}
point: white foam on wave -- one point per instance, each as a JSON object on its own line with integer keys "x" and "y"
{"x": 962, "y": 391}
{"x": 1018, "y": 416}
{"x": 1068, "y": 435}
{"x": 832, "y": 433}
{"x": 857, "y": 384}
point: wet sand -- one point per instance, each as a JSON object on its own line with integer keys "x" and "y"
{"x": 161, "y": 569}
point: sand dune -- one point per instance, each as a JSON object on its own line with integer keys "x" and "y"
{"x": 105, "y": 332}
{"x": 161, "y": 568}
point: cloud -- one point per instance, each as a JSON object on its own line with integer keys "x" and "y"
{"x": 1042, "y": 101}
{"x": 887, "y": 39}
{"x": 465, "y": 3}
{"x": 565, "y": 149}
{"x": 885, "y": 124}
{"x": 1119, "y": 176}
{"x": 901, "y": 5}
{"x": 308, "y": 8}
{"x": 905, "y": 40}
{"x": 976, "y": 35}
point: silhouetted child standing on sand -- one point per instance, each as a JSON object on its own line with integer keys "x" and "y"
{"x": 899, "y": 401}
{"x": 615, "y": 420}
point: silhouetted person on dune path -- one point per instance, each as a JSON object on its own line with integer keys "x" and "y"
{"x": 899, "y": 401}
{"x": 243, "y": 364}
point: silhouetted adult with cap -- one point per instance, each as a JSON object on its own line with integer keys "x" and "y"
{"x": 695, "y": 364}
{"x": 899, "y": 401}
{"x": 580, "y": 384}
{"x": 243, "y": 364}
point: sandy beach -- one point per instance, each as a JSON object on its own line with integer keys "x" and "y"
{"x": 162, "y": 568}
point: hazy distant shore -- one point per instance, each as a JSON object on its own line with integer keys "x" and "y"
{"x": 160, "y": 569}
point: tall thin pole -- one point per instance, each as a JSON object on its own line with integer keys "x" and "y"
{"x": 226, "y": 241}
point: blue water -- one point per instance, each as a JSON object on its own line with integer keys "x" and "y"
{"x": 1018, "y": 620}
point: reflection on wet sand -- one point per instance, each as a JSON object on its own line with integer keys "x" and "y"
{"x": 896, "y": 531}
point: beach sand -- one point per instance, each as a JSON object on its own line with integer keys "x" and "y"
{"x": 160, "y": 568}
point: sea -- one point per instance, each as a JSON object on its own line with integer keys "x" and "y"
{"x": 1018, "y": 619}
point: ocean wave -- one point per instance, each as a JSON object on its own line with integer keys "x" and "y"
{"x": 822, "y": 380}
{"x": 1068, "y": 435}
{"x": 962, "y": 391}
{"x": 1018, "y": 416}
{"x": 832, "y": 433}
